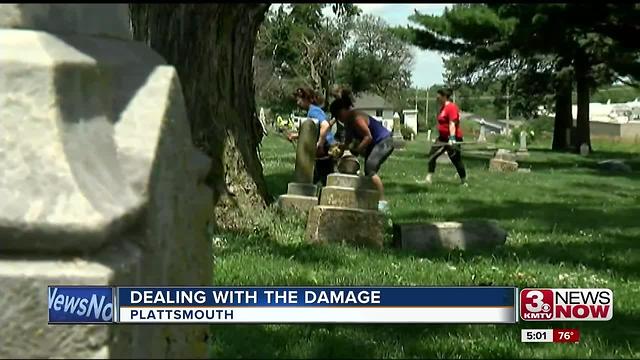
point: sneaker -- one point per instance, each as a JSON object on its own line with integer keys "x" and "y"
{"x": 383, "y": 206}
{"x": 464, "y": 184}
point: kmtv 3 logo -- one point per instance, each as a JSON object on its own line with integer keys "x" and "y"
{"x": 566, "y": 304}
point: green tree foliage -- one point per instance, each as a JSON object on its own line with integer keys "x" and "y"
{"x": 376, "y": 60}
{"x": 585, "y": 43}
{"x": 299, "y": 46}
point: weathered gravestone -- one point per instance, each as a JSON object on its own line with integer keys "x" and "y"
{"x": 614, "y": 166}
{"x": 398, "y": 140}
{"x": 482, "y": 137}
{"x": 584, "y": 150}
{"x": 100, "y": 182}
{"x": 302, "y": 194}
{"x": 523, "y": 152}
{"x": 504, "y": 161}
{"x": 424, "y": 237}
{"x": 348, "y": 212}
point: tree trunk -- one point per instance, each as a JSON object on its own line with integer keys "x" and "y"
{"x": 582, "y": 73}
{"x": 211, "y": 46}
{"x": 564, "y": 117}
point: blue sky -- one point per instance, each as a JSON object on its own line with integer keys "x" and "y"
{"x": 427, "y": 67}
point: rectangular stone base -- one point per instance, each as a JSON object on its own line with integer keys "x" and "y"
{"x": 448, "y": 235}
{"x": 350, "y": 197}
{"x": 302, "y": 189}
{"x": 503, "y": 165}
{"x": 297, "y": 202}
{"x": 350, "y": 181}
{"x": 354, "y": 226}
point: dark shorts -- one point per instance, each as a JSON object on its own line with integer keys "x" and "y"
{"x": 378, "y": 154}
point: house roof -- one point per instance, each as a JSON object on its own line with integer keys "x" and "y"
{"x": 371, "y": 101}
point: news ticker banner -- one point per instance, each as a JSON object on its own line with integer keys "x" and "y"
{"x": 285, "y": 305}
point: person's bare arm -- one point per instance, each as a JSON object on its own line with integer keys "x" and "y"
{"x": 452, "y": 128}
{"x": 361, "y": 126}
{"x": 325, "y": 127}
{"x": 292, "y": 136}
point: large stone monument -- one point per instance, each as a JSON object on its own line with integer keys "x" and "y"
{"x": 398, "y": 141}
{"x": 100, "y": 182}
{"x": 348, "y": 213}
{"x": 302, "y": 194}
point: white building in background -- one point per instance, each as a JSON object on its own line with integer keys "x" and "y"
{"x": 616, "y": 113}
{"x": 411, "y": 119}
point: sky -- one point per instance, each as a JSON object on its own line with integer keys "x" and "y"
{"x": 427, "y": 67}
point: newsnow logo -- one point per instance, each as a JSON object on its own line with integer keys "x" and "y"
{"x": 74, "y": 304}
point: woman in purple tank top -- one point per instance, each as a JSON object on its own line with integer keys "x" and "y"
{"x": 375, "y": 141}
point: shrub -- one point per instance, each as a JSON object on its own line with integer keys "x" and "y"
{"x": 407, "y": 132}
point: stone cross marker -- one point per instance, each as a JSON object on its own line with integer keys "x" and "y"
{"x": 101, "y": 184}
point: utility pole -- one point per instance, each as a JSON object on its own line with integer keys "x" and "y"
{"x": 417, "y": 98}
{"x": 426, "y": 110}
{"x": 507, "y": 117}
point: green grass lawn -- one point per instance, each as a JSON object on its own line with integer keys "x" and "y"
{"x": 569, "y": 226}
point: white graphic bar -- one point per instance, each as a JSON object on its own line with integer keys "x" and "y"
{"x": 536, "y": 335}
{"x": 288, "y": 315}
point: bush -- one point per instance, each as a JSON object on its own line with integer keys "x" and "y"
{"x": 407, "y": 132}
{"x": 534, "y": 128}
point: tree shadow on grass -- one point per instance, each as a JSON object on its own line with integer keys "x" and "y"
{"x": 277, "y": 182}
{"x": 563, "y": 219}
{"x": 406, "y": 340}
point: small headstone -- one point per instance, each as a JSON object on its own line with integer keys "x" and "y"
{"x": 523, "y": 141}
{"x": 523, "y": 151}
{"x": 504, "y": 154}
{"x": 584, "y": 150}
{"x": 482, "y": 138}
{"x": 614, "y": 166}
{"x": 503, "y": 165}
{"x": 424, "y": 237}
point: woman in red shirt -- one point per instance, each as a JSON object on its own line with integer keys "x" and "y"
{"x": 450, "y": 132}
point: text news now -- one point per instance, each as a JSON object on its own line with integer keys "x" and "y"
{"x": 282, "y": 305}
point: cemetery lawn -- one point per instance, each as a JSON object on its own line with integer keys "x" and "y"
{"x": 569, "y": 226}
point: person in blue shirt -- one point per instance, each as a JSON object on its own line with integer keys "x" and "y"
{"x": 307, "y": 99}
